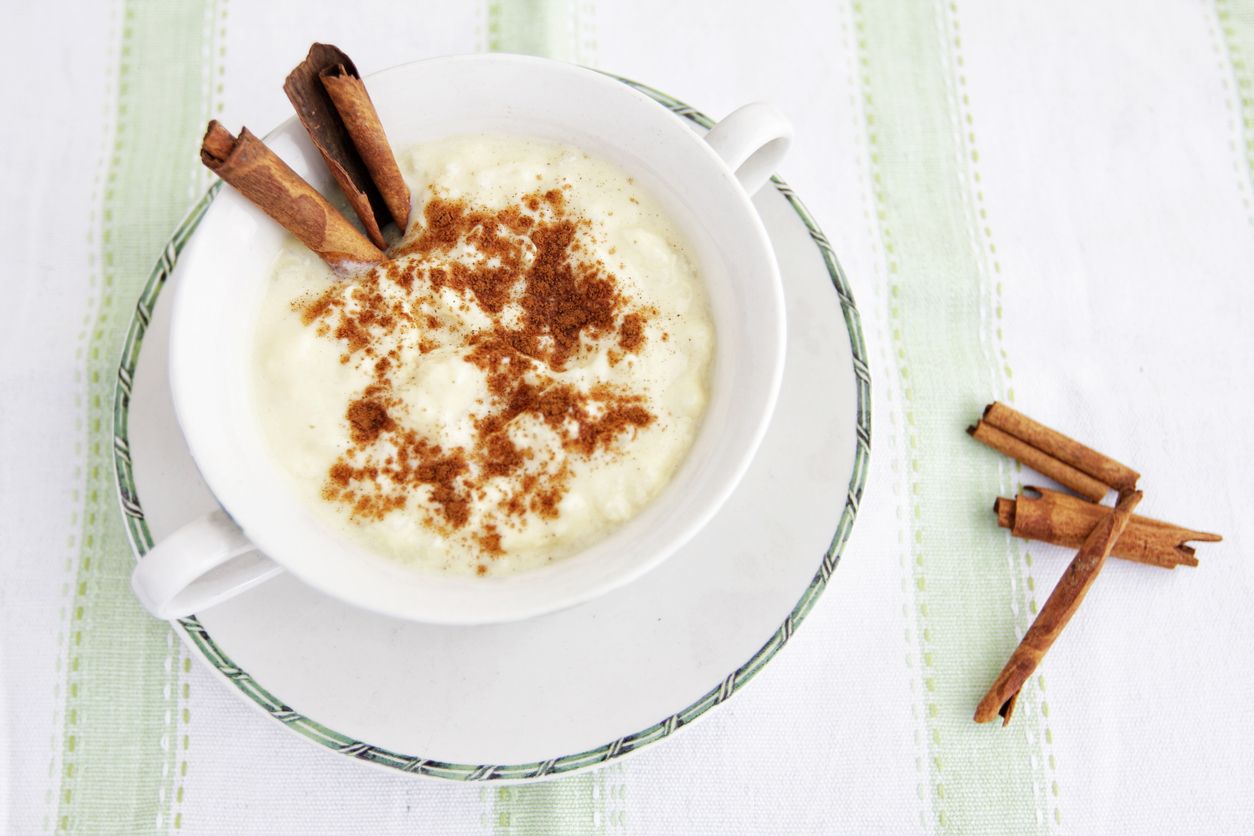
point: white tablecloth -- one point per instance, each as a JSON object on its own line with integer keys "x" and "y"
{"x": 1047, "y": 204}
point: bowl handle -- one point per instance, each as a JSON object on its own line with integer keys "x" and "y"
{"x": 202, "y": 564}
{"x": 752, "y": 140}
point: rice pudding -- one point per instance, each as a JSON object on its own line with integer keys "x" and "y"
{"x": 524, "y": 374}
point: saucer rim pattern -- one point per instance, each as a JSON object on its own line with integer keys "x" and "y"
{"x": 141, "y": 538}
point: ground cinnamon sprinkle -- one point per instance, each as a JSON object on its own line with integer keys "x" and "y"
{"x": 312, "y": 310}
{"x": 631, "y": 335}
{"x": 366, "y": 419}
{"x": 490, "y": 540}
{"x": 547, "y": 305}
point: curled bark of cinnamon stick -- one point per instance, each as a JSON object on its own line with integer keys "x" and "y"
{"x": 326, "y": 129}
{"x": 262, "y": 177}
{"x": 1053, "y": 617}
{"x": 1064, "y": 520}
{"x": 1067, "y": 450}
{"x": 1042, "y": 461}
{"x": 361, "y": 121}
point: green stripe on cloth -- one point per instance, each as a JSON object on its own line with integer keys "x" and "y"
{"x": 568, "y": 805}
{"x": 121, "y": 749}
{"x": 1236, "y": 21}
{"x": 552, "y": 29}
{"x": 971, "y": 594}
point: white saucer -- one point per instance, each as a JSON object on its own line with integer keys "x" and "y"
{"x": 569, "y": 690}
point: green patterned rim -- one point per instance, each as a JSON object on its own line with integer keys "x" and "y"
{"x": 141, "y": 538}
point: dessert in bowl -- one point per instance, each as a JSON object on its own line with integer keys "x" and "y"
{"x": 555, "y": 380}
{"x": 523, "y": 376}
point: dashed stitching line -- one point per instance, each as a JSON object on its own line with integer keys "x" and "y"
{"x": 896, "y": 326}
{"x": 897, "y": 476}
{"x": 967, "y": 140}
{"x": 87, "y": 348}
{"x": 1238, "y": 85}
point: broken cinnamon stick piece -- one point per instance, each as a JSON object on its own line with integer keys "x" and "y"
{"x": 1065, "y": 520}
{"x": 262, "y": 177}
{"x": 1039, "y": 460}
{"x": 1059, "y": 607}
{"x": 361, "y": 121}
{"x": 1067, "y": 450}
{"x": 326, "y": 129}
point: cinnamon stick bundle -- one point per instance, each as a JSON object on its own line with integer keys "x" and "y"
{"x": 1065, "y": 520}
{"x": 1053, "y": 617}
{"x": 262, "y": 177}
{"x": 340, "y": 137}
{"x": 1049, "y": 452}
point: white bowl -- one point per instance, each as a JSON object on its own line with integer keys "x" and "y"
{"x": 223, "y": 275}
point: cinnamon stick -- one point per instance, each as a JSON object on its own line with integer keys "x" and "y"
{"x": 1042, "y": 461}
{"x": 1064, "y": 520}
{"x": 1067, "y": 450}
{"x": 361, "y": 121}
{"x": 262, "y": 177}
{"x": 326, "y": 129}
{"x": 1053, "y": 617}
